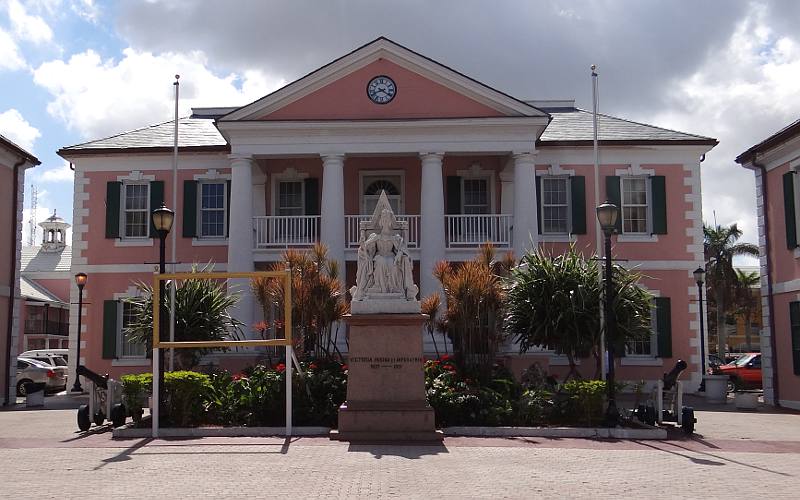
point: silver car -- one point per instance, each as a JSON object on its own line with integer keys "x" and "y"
{"x": 30, "y": 370}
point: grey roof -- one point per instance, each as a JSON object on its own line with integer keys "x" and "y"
{"x": 5, "y": 141}
{"x": 32, "y": 290}
{"x": 575, "y": 125}
{"x": 568, "y": 126}
{"x": 34, "y": 260}
{"x": 775, "y": 139}
{"x": 192, "y": 133}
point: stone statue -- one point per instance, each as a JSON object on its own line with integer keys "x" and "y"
{"x": 384, "y": 279}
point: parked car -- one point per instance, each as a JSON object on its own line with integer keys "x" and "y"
{"x": 54, "y": 360}
{"x": 744, "y": 373}
{"x": 37, "y": 353}
{"x": 30, "y": 370}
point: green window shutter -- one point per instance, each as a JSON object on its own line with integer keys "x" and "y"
{"x": 613, "y": 195}
{"x": 113, "y": 192}
{"x": 453, "y": 195}
{"x": 110, "y": 329}
{"x": 578, "y": 199}
{"x": 156, "y": 199}
{"x": 658, "y": 187}
{"x": 539, "y": 203}
{"x": 190, "y": 208}
{"x": 311, "y": 188}
{"x": 794, "y": 317}
{"x": 663, "y": 327}
{"x": 788, "y": 210}
{"x": 228, "y": 208}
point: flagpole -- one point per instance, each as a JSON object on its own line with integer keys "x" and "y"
{"x": 598, "y": 238}
{"x": 174, "y": 232}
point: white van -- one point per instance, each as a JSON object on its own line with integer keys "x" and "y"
{"x": 51, "y": 357}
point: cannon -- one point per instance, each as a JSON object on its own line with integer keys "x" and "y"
{"x": 105, "y": 400}
{"x": 668, "y": 390}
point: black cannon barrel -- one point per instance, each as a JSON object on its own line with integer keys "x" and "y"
{"x": 97, "y": 379}
{"x": 672, "y": 377}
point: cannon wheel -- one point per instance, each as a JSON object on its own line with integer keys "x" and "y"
{"x": 99, "y": 417}
{"x": 687, "y": 415}
{"x": 83, "y": 418}
{"x": 118, "y": 415}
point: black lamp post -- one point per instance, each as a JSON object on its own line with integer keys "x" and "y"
{"x": 80, "y": 280}
{"x": 607, "y": 215}
{"x": 700, "y": 278}
{"x": 162, "y": 221}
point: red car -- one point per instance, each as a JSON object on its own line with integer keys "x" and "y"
{"x": 744, "y": 373}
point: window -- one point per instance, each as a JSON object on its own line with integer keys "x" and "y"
{"x": 212, "y": 210}
{"x": 646, "y": 346}
{"x": 475, "y": 196}
{"x": 136, "y": 210}
{"x": 372, "y": 187}
{"x": 290, "y": 198}
{"x": 555, "y": 205}
{"x": 634, "y": 205}
{"x": 127, "y": 347}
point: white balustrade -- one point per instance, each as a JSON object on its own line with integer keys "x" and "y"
{"x": 474, "y": 230}
{"x": 283, "y": 231}
{"x": 354, "y": 236}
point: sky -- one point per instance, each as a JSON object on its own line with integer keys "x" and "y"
{"x": 76, "y": 70}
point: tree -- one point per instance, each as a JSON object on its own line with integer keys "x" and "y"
{"x": 472, "y": 316}
{"x": 317, "y": 300}
{"x": 745, "y": 301}
{"x": 201, "y": 313}
{"x": 720, "y": 247}
{"x": 554, "y": 302}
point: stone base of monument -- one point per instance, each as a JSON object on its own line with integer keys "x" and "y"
{"x": 385, "y": 381}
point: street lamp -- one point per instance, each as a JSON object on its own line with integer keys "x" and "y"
{"x": 607, "y": 215}
{"x": 700, "y": 278}
{"x": 80, "y": 280}
{"x": 162, "y": 221}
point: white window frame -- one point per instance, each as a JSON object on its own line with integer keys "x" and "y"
{"x": 119, "y": 359}
{"x": 120, "y": 335}
{"x": 568, "y": 186}
{"x": 288, "y": 175}
{"x": 375, "y": 175}
{"x": 648, "y": 206}
{"x": 200, "y": 209}
{"x": 123, "y": 211}
{"x": 302, "y": 195}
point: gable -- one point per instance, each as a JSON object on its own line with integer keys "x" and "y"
{"x": 416, "y": 97}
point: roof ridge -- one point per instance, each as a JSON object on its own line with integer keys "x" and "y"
{"x": 139, "y": 129}
{"x": 647, "y": 125}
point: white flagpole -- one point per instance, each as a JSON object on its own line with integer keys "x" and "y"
{"x": 598, "y": 229}
{"x": 174, "y": 231}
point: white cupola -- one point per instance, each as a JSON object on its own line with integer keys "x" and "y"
{"x": 55, "y": 233}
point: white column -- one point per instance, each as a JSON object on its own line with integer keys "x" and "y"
{"x": 332, "y": 218}
{"x": 525, "y": 221}
{"x": 432, "y": 242}
{"x": 240, "y": 235}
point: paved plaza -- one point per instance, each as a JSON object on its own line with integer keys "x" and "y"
{"x": 734, "y": 453}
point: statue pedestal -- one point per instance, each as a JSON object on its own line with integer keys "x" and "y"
{"x": 385, "y": 381}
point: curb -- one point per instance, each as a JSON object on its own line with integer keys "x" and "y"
{"x": 558, "y": 432}
{"x": 133, "y": 432}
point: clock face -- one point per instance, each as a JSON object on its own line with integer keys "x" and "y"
{"x": 381, "y": 89}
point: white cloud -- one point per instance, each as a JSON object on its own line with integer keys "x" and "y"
{"x": 27, "y": 27}
{"x": 10, "y": 57}
{"x": 86, "y": 9}
{"x": 741, "y": 94}
{"x": 102, "y": 97}
{"x": 14, "y": 126}
{"x": 59, "y": 174}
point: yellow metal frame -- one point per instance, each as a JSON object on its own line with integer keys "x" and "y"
{"x": 287, "y": 307}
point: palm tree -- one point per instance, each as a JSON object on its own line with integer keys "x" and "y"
{"x": 745, "y": 301}
{"x": 720, "y": 247}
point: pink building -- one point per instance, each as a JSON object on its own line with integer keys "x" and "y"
{"x": 775, "y": 162}
{"x": 13, "y": 162}
{"x": 462, "y": 162}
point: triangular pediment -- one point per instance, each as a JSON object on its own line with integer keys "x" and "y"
{"x": 424, "y": 89}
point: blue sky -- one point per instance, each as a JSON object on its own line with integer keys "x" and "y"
{"x": 76, "y": 70}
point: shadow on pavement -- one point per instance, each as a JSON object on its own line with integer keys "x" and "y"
{"x": 705, "y": 461}
{"x": 415, "y": 451}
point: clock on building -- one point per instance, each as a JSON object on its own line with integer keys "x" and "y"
{"x": 381, "y": 89}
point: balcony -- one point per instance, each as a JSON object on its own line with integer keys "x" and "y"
{"x": 285, "y": 231}
{"x": 469, "y": 231}
{"x": 353, "y": 236}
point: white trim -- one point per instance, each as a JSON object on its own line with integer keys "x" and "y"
{"x": 131, "y": 361}
{"x": 637, "y": 237}
{"x": 212, "y": 174}
{"x": 135, "y": 177}
{"x": 133, "y": 269}
{"x": 132, "y": 291}
{"x": 635, "y": 360}
{"x": 382, "y": 173}
{"x": 289, "y": 174}
{"x": 540, "y": 208}
{"x": 199, "y": 209}
{"x": 557, "y": 238}
{"x": 383, "y": 49}
{"x": 122, "y": 201}
{"x": 210, "y": 242}
{"x": 134, "y": 242}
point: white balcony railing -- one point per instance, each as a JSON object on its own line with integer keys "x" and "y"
{"x": 465, "y": 231}
{"x": 353, "y": 233}
{"x": 283, "y": 231}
